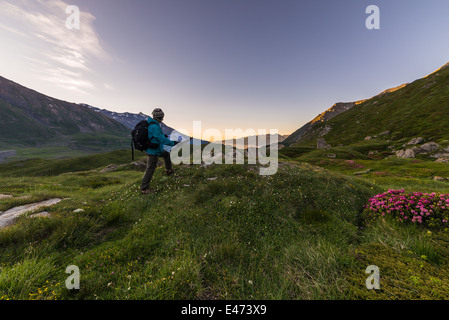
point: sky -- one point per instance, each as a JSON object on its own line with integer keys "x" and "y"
{"x": 249, "y": 64}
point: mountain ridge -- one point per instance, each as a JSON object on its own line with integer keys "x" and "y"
{"x": 337, "y": 109}
{"x": 416, "y": 109}
{"x": 53, "y": 122}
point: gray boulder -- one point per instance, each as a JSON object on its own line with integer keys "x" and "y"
{"x": 322, "y": 144}
{"x": 407, "y": 153}
{"x": 426, "y": 148}
{"x": 415, "y": 141}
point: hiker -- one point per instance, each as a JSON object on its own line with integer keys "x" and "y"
{"x": 156, "y": 135}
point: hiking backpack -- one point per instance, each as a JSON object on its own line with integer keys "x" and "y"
{"x": 140, "y": 140}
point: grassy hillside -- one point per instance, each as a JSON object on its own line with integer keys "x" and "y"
{"x": 418, "y": 109}
{"x": 30, "y": 119}
{"x": 325, "y": 116}
{"x": 216, "y": 232}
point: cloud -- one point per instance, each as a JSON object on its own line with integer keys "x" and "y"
{"x": 108, "y": 87}
{"x": 59, "y": 55}
{"x": 9, "y": 29}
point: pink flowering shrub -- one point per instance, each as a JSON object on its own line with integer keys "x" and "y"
{"x": 429, "y": 210}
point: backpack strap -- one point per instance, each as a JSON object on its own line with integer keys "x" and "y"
{"x": 150, "y": 124}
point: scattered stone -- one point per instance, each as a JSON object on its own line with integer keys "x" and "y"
{"x": 321, "y": 144}
{"x": 385, "y": 133}
{"x": 141, "y": 164}
{"x": 442, "y": 160}
{"x": 212, "y": 179}
{"x": 408, "y": 153}
{"x": 325, "y": 130}
{"x": 43, "y": 214}
{"x": 8, "y": 217}
{"x": 415, "y": 141}
{"x": 368, "y": 138}
{"x": 78, "y": 210}
{"x": 426, "y": 148}
{"x": 373, "y": 152}
{"x": 331, "y": 155}
{"x": 440, "y": 155}
{"x": 362, "y": 172}
{"x": 438, "y": 178}
{"x": 109, "y": 168}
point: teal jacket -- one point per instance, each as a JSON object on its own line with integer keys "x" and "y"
{"x": 156, "y": 135}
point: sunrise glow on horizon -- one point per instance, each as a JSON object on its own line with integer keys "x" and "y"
{"x": 260, "y": 64}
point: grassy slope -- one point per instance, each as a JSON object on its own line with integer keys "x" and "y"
{"x": 385, "y": 171}
{"x": 295, "y": 235}
{"x": 53, "y": 167}
{"x": 418, "y": 109}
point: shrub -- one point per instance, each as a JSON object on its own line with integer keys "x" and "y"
{"x": 429, "y": 210}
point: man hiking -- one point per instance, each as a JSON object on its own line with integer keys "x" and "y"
{"x": 156, "y": 135}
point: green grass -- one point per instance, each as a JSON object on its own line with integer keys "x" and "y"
{"x": 386, "y": 171}
{"x": 45, "y": 153}
{"x": 216, "y": 232}
{"x": 53, "y": 167}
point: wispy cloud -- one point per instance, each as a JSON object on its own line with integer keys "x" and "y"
{"x": 9, "y": 29}
{"x": 108, "y": 87}
{"x": 59, "y": 55}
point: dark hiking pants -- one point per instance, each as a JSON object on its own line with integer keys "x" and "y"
{"x": 151, "y": 167}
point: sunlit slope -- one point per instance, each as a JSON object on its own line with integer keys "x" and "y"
{"x": 417, "y": 109}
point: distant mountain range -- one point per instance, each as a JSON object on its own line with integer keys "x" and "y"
{"x": 127, "y": 119}
{"x": 131, "y": 119}
{"x": 246, "y": 143}
{"x": 31, "y": 119}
